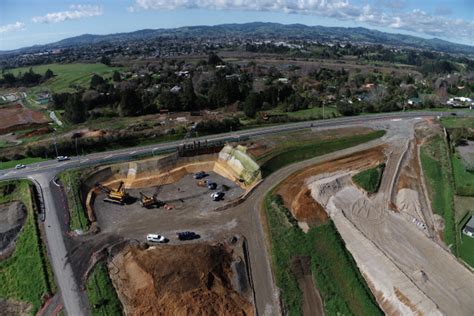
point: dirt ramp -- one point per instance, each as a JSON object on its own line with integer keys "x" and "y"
{"x": 192, "y": 279}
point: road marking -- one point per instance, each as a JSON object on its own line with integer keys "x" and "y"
{"x": 108, "y": 156}
{"x": 133, "y": 152}
{"x": 55, "y": 183}
{"x": 396, "y": 120}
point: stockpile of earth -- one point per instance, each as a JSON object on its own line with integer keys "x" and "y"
{"x": 12, "y": 217}
{"x": 191, "y": 279}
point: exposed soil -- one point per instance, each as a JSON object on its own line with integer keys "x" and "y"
{"x": 190, "y": 279}
{"x": 312, "y": 304}
{"x": 306, "y": 209}
{"x": 17, "y": 117}
{"x": 12, "y": 217}
{"x": 37, "y": 132}
{"x": 294, "y": 190}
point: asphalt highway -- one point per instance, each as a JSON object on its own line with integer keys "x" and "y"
{"x": 54, "y": 167}
{"x": 43, "y": 173}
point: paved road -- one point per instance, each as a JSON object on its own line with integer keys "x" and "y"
{"x": 73, "y": 299}
{"x": 266, "y": 293}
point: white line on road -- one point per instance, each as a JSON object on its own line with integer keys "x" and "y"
{"x": 133, "y": 152}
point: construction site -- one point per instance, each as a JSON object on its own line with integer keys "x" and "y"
{"x": 392, "y": 234}
{"x": 167, "y": 195}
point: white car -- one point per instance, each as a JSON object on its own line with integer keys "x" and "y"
{"x": 62, "y": 158}
{"x": 20, "y": 166}
{"x": 156, "y": 238}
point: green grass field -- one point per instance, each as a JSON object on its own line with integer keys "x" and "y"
{"x": 342, "y": 288}
{"x": 78, "y": 218}
{"x": 26, "y": 161}
{"x": 369, "y": 179}
{"x": 102, "y": 296}
{"x": 25, "y": 275}
{"x": 298, "y": 152}
{"x": 78, "y": 74}
{"x": 457, "y": 122}
{"x": 437, "y": 170}
{"x": 463, "y": 179}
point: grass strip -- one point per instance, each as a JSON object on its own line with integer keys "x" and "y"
{"x": 101, "y": 292}
{"x": 71, "y": 183}
{"x": 369, "y": 179}
{"x": 25, "y": 275}
{"x": 437, "y": 170}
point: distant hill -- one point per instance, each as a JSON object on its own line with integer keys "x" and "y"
{"x": 263, "y": 30}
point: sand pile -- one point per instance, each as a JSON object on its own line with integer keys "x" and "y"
{"x": 192, "y": 279}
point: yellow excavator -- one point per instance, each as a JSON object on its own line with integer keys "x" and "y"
{"x": 150, "y": 201}
{"x": 116, "y": 196}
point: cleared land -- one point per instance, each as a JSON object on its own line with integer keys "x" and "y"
{"x": 25, "y": 275}
{"x": 16, "y": 117}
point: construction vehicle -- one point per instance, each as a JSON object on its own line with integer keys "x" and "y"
{"x": 150, "y": 202}
{"x": 117, "y": 196}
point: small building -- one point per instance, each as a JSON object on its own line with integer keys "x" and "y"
{"x": 469, "y": 228}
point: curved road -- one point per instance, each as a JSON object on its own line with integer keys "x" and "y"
{"x": 75, "y": 301}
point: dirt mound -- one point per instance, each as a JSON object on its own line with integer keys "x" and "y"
{"x": 12, "y": 217}
{"x": 36, "y": 132}
{"x": 306, "y": 209}
{"x": 192, "y": 279}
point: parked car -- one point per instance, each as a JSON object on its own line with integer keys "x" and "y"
{"x": 20, "y": 166}
{"x": 200, "y": 175}
{"x": 62, "y": 158}
{"x": 187, "y": 235}
{"x": 217, "y": 196}
{"x": 211, "y": 185}
{"x": 156, "y": 238}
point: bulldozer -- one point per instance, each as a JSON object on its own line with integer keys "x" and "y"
{"x": 149, "y": 202}
{"x": 116, "y": 196}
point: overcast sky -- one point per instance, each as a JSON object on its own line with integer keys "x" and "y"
{"x": 30, "y": 22}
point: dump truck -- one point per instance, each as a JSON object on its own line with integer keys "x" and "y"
{"x": 150, "y": 201}
{"x": 117, "y": 196}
